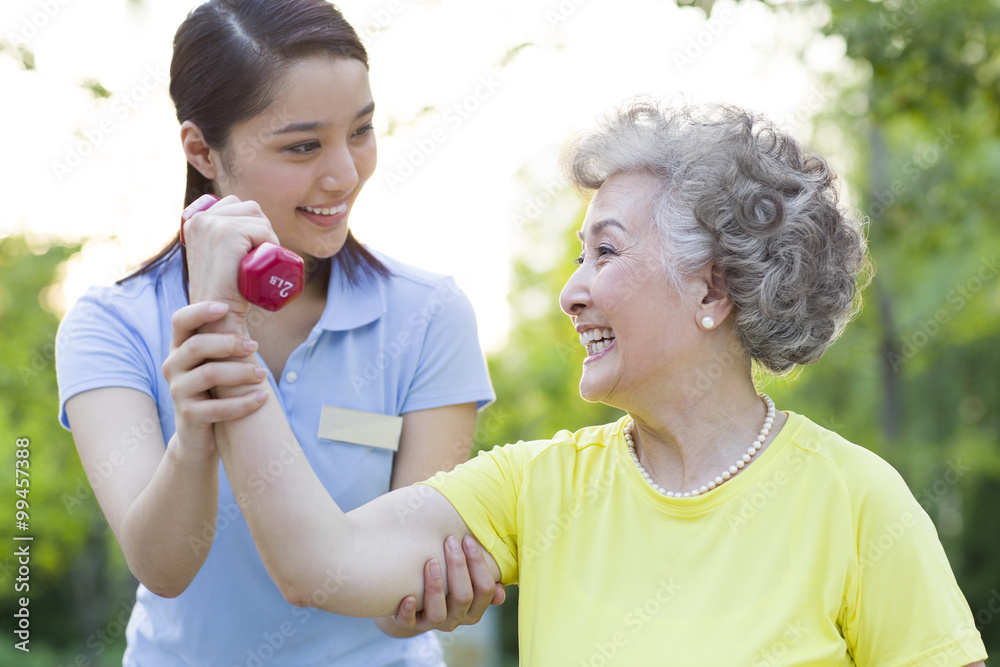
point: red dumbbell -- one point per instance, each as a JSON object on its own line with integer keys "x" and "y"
{"x": 270, "y": 276}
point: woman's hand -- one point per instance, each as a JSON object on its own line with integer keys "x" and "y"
{"x": 217, "y": 239}
{"x": 200, "y": 361}
{"x": 471, "y": 590}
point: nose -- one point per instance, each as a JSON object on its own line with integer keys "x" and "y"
{"x": 575, "y": 295}
{"x": 339, "y": 170}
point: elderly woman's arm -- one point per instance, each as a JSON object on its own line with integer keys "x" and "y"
{"x": 359, "y": 564}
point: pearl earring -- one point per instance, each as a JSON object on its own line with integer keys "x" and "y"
{"x": 707, "y": 322}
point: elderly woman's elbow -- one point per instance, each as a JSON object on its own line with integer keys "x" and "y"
{"x": 296, "y": 590}
{"x": 166, "y": 589}
{"x": 162, "y": 583}
{"x": 302, "y": 588}
{"x": 297, "y": 598}
{"x": 324, "y": 588}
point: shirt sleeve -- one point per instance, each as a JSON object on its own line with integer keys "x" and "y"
{"x": 451, "y": 368}
{"x": 96, "y": 347}
{"x": 484, "y": 491}
{"x": 902, "y": 605}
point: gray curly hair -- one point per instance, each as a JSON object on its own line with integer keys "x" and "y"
{"x": 740, "y": 193}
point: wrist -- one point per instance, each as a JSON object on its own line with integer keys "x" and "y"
{"x": 231, "y": 323}
{"x": 191, "y": 461}
{"x": 238, "y": 307}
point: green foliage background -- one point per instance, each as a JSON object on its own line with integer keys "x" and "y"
{"x": 913, "y": 378}
{"x": 78, "y": 576}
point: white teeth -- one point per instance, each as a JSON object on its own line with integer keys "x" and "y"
{"x": 326, "y": 211}
{"x": 603, "y": 338}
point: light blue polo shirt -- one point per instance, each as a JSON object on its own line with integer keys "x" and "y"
{"x": 387, "y": 346}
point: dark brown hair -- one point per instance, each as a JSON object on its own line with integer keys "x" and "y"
{"x": 229, "y": 56}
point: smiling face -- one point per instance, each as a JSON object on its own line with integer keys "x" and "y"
{"x": 306, "y": 158}
{"x": 638, "y": 330}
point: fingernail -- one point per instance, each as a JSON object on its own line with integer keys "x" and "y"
{"x": 470, "y": 544}
{"x": 198, "y": 205}
{"x": 250, "y": 345}
{"x": 453, "y": 545}
{"x": 217, "y": 308}
{"x": 261, "y": 373}
{"x": 260, "y": 396}
{"x": 435, "y": 569}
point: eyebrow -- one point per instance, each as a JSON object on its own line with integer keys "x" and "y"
{"x": 600, "y": 226}
{"x": 308, "y": 126}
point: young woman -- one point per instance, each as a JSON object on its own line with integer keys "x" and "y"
{"x": 276, "y": 120}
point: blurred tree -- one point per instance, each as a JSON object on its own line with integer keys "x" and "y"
{"x": 77, "y": 573}
{"x": 913, "y": 378}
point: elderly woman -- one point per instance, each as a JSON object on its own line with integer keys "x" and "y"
{"x": 703, "y": 528}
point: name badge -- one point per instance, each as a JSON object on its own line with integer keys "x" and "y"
{"x": 370, "y": 429}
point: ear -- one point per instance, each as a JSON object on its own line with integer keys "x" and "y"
{"x": 199, "y": 154}
{"x": 715, "y": 303}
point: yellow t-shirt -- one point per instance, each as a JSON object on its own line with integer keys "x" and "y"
{"x": 816, "y": 554}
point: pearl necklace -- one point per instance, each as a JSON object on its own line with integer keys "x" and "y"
{"x": 726, "y": 474}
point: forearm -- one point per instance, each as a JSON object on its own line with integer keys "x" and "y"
{"x": 167, "y": 531}
{"x": 294, "y": 522}
{"x": 360, "y": 564}
{"x": 298, "y": 529}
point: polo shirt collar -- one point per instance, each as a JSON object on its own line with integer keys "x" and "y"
{"x": 352, "y": 306}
